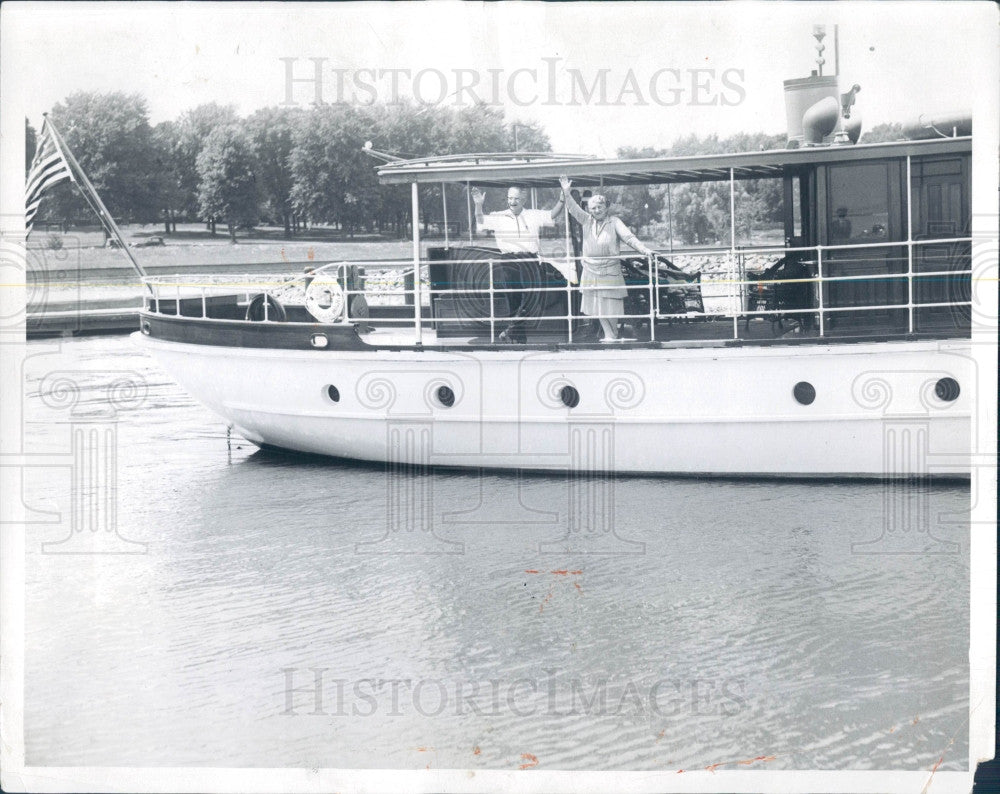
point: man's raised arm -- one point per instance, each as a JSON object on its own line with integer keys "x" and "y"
{"x": 478, "y": 198}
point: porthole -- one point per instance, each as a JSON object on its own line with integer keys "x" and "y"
{"x": 319, "y": 340}
{"x": 446, "y": 396}
{"x": 145, "y": 328}
{"x": 333, "y": 393}
{"x": 569, "y": 396}
{"x": 947, "y": 389}
{"x": 804, "y": 392}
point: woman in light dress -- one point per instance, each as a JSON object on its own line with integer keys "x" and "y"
{"x": 602, "y": 283}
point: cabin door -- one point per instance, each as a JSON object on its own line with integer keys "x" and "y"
{"x": 940, "y": 191}
{"x": 862, "y": 203}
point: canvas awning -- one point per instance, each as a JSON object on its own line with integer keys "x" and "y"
{"x": 544, "y": 170}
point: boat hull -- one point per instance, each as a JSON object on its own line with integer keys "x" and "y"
{"x": 879, "y": 410}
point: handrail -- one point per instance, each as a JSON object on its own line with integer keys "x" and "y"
{"x": 720, "y": 274}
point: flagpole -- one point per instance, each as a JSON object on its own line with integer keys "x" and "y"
{"x": 95, "y": 200}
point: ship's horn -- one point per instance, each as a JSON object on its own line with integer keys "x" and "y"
{"x": 819, "y": 120}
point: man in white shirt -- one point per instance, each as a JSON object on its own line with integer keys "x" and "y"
{"x": 515, "y": 228}
{"x": 516, "y": 232}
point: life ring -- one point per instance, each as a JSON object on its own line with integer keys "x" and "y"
{"x": 275, "y": 311}
{"x": 325, "y": 299}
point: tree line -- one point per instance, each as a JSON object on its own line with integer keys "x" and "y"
{"x": 280, "y": 166}
{"x": 291, "y": 166}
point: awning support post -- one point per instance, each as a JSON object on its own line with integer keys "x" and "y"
{"x": 670, "y": 216}
{"x": 909, "y": 243}
{"x": 468, "y": 208}
{"x": 571, "y": 267}
{"x": 737, "y": 294}
{"x": 444, "y": 209}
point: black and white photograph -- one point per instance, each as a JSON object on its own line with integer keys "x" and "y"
{"x": 484, "y": 397}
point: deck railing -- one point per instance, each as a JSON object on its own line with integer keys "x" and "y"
{"x": 729, "y": 291}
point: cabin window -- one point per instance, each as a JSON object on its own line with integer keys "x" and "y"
{"x": 759, "y": 212}
{"x": 796, "y": 207}
{"x": 858, "y": 204}
{"x": 698, "y": 213}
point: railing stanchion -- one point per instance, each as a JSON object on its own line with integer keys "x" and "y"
{"x": 492, "y": 313}
{"x": 342, "y": 277}
{"x": 651, "y": 259}
{"x": 571, "y": 266}
{"x": 569, "y": 307}
{"x": 819, "y": 276}
{"x": 177, "y": 305}
{"x": 909, "y": 284}
{"x": 731, "y": 268}
{"x": 204, "y": 304}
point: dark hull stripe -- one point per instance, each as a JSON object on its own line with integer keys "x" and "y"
{"x": 297, "y": 336}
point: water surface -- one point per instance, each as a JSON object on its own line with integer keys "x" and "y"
{"x": 732, "y": 620}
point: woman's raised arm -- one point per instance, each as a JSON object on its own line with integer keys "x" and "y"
{"x": 575, "y": 209}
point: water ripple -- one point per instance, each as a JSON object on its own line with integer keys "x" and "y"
{"x": 749, "y": 626}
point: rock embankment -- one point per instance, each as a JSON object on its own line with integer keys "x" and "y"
{"x": 716, "y": 264}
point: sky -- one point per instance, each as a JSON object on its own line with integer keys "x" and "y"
{"x": 669, "y": 69}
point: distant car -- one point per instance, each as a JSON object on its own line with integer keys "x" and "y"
{"x": 151, "y": 241}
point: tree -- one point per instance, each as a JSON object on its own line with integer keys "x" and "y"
{"x": 169, "y": 167}
{"x": 111, "y": 138}
{"x": 527, "y": 136}
{"x": 637, "y": 205}
{"x": 699, "y": 215}
{"x": 883, "y": 133}
{"x": 193, "y": 129}
{"x": 271, "y": 132}
{"x": 228, "y": 187}
{"x": 334, "y": 181}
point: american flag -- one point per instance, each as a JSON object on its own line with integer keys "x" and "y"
{"x": 47, "y": 169}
